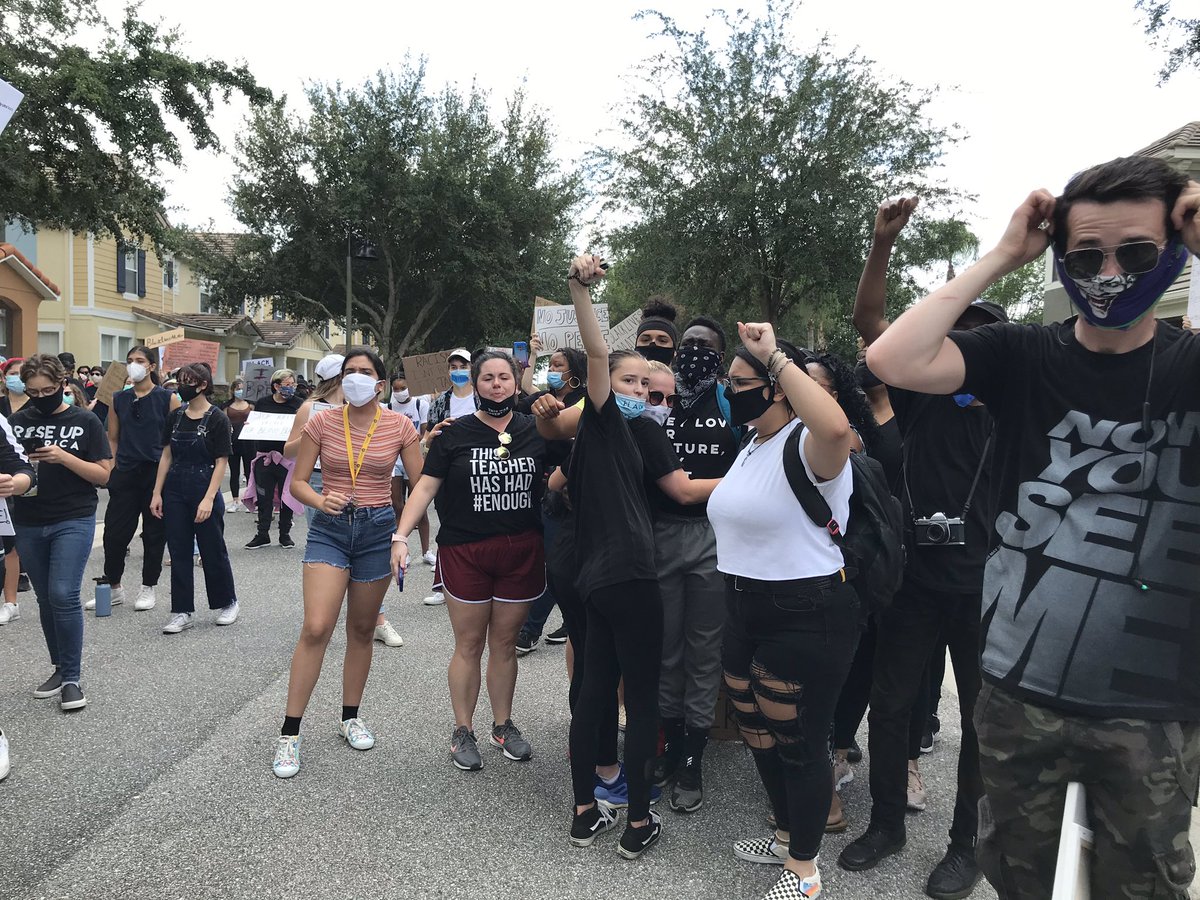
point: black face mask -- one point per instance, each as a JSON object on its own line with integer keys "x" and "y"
{"x": 663, "y": 355}
{"x": 47, "y": 405}
{"x": 747, "y": 405}
{"x": 498, "y": 409}
{"x": 188, "y": 392}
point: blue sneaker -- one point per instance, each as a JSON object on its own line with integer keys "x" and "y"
{"x": 615, "y": 794}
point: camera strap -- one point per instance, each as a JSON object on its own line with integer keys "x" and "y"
{"x": 987, "y": 445}
{"x": 912, "y": 506}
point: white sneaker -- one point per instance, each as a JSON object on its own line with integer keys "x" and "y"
{"x": 287, "y": 756}
{"x": 434, "y": 599}
{"x": 234, "y": 506}
{"x": 9, "y": 612}
{"x": 118, "y": 597}
{"x": 430, "y": 557}
{"x": 178, "y": 623}
{"x": 357, "y": 734}
{"x": 843, "y": 772}
{"x": 228, "y": 614}
{"x": 145, "y": 598}
{"x": 389, "y": 635}
{"x": 916, "y": 788}
{"x": 4, "y": 766}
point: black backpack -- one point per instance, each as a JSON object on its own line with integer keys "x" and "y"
{"x": 873, "y": 546}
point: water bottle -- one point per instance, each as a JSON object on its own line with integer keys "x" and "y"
{"x": 103, "y": 600}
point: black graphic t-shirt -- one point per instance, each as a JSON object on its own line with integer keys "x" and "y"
{"x": 705, "y": 446}
{"x": 614, "y": 539}
{"x": 61, "y": 494}
{"x": 482, "y": 495}
{"x": 1089, "y": 510}
{"x": 943, "y": 444}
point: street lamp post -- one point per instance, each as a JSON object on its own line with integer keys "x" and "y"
{"x": 367, "y": 253}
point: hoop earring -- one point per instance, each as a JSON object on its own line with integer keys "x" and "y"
{"x": 574, "y": 383}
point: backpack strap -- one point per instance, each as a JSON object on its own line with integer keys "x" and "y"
{"x": 726, "y": 412}
{"x": 815, "y": 506}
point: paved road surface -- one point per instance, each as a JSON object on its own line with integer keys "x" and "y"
{"x": 162, "y": 787}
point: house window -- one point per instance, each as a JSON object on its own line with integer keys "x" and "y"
{"x": 277, "y": 315}
{"x": 325, "y": 329}
{"x": 114, "y": 348}
{"x": 50, "y": 342}
{"x": 169, "y": 279}
{"x": 131, "y": 270}
{"x": 206, "y": 301}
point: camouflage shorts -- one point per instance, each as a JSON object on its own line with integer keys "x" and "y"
{"x": 1141, "y": 780}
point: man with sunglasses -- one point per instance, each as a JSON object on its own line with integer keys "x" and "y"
{"x": 1091, "y": 614}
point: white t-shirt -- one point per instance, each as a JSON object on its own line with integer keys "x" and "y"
{"x": 461, "y": 407}
{"x": 417, "y": 410}
{"x": 762, "y": 530}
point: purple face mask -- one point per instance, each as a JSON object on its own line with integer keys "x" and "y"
{"x": 1119, "y": 301}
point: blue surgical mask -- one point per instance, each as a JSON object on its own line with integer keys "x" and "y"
{"x": 555, "y": 380}
{"x": 964, "y": 400}
{"x": 630, "y": 407}
{"x": 14, "y": 384}
{"x": 460, "y": 377}
{"x": 239, "y": 394}
{"x": 69, "y": 399}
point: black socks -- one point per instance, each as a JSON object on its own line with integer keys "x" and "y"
{"x": 291, "y": 725}
{"x": 349, "y": 712}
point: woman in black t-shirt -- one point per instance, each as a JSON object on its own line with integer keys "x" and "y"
{"x": 55, "y": 527}
{"x": 197, "y": 442}
{"x": 486, "y": 472}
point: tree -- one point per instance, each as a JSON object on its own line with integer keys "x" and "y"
{"x": 750, "y": 173}
{"x": 1180, "y": 36}
{"x": 85, "y": 149}
{"x": 1021, "y": 292}
{"x": 470, "y": 218}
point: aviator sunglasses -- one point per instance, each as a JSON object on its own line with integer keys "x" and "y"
{"x": 1134, "y": 258}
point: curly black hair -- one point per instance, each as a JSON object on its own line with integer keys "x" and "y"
{"x": 850, "y": 397}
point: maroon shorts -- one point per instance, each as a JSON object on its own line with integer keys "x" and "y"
{"x": 507, "y": 568}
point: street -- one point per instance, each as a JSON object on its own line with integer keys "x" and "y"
{"x": 162, "y": 787}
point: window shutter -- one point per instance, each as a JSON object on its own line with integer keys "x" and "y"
{"x": 141, "y": 285}
{"x": 120, "y": 268}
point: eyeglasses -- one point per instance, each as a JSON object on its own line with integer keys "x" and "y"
{"x": 740, "y": 384}
{"x": 44, "y": 392}
{"x": 1134, "y": 258}
{"x": 505, "y": 440}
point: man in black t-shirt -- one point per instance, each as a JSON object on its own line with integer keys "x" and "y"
{"x": 945, "y": 470}
{"x": 1091, "y": 606}
{"x": 270, "y": 470}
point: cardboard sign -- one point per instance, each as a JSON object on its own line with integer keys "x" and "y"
{"x": 6, "y": 525}
{"x": 623, "y": 335}
{"x": 426, "y": 374}
{"x": 1076, "y": 844}
{"x": 181, "y": 353}
{"x": 556, "y": 326}
{"x": 10, "y": 99}
{"x": 163, "y": 338}
{"x": 113, "y": 381}
{"x": 256, "y": 373}
{"x": 265, "y": 426}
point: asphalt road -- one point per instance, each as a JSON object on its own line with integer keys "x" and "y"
{"x": 162, "y": 787}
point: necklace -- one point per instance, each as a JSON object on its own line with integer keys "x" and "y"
{"x": 758, "y": 442}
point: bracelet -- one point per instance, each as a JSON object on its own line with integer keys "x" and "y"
{"x": 397, "y": 539}
{"x": 776, "y": 362}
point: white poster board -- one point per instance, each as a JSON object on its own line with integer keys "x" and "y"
{"x": 557, "y": 328}
{"x": 257, "y": 375}
{"x": 623, "y": 335}
{"x": 1075, "y": 848}
{"x": 10, "y": 99}
{"x": 264, "y": 426}
{"x": 6, "y": 525}
{"x": 1193, "y": 307}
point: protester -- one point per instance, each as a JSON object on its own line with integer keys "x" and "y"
{"x": 197, "y": 444}
{"x": 417, "y": 411}
{"x": 270, "y": 479}
{"x": 657, "y": 335}
{"x": 485, "y": 472}
{"x": 135, "y": 434}
{"x": 237, "y": 409}
{"x": 348, "y": 555}
{"x": 56, "y": 525}
{"x": 12, "y": 399}
{"x": 1089, "y": 659}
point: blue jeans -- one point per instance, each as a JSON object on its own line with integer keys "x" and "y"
{"x": 55, "y": 556}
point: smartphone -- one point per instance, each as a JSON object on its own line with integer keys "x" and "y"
{"x": 521, "y": 353}
{"x": 32, "y": 445}
{"x": 400, "y": 579}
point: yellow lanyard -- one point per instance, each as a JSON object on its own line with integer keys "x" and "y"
{"x": 356, "y": 466}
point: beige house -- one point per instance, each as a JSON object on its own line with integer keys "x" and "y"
{"x": 1181, "y": 147}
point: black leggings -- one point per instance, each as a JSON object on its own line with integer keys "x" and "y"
{"x": 624, "y": 638}
{"x": 786, "y": 654}
{"x": 239, "y": 460}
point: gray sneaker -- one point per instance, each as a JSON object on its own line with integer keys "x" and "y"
{"x": 464, "y": 751}
{"x": 509, "y": 739}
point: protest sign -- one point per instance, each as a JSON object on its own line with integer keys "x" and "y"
{"x": 163, "y": 338}
{"x": 426, "y": 374}
{"x": 1193, "y": 307}
{"x": 256, "y": 373}
{"x": 181, "y": 353}
{"x": 1076, "y": 844}
{"x": 623, "y": 335}
{"x": 6, "y": 525}
{"x": 10, "y": 99}
{"x": 265, "y": 426}
{"x": 556, "y": 326}
{"x": 114, "y": 380}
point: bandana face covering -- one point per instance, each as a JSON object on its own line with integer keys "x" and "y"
{"x": 696, "y": 364}
{"x": 1120, "y": 301}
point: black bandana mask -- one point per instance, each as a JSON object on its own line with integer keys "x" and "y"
{"x": 696, "y": 364}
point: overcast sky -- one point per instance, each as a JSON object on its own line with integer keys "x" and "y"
{"x": 1042, "y": 88}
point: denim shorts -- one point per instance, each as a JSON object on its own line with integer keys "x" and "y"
{"x": 360, "y": 541}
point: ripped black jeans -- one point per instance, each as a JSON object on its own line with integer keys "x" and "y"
{"x": 787, "y": 649}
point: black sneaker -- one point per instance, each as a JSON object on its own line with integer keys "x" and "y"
{"x": 259, "y": 540}
{"x": 927, "y": 739}
{"x": 586, "y": 825}
{"x": 526, "y": 643}
{"x": 955, "y": 876}
{"x": 50, "y": 687}
{"x": 854, "y": 753}
{"x": 23, "y": 583}
{"x": 636, "y": 841}
{"x": 873, "y": 846}
{"x": 286, "y": 542}
{"x": 687, "y": 794}
{"x": 557, "y": 637}
{"x": 71, "y": 697}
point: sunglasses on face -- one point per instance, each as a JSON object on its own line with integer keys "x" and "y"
{"x": 658, "y": 398}
{"x": 1134, "y": 258}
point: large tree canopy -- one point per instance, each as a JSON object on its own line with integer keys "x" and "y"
{"x": 1179, "y": 36}
{"x": 750, "y": 173}
{"x": 86, "y": 147}
{"x": 469, "y": 217}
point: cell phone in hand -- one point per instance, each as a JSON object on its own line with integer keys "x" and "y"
{"x": 400, "y": 579}
{"x": 521, "y": 353}
{"x": 32, "y": 445}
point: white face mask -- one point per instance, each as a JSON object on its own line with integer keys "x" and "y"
{"x": 359, "y": 389}
{"x": 137, "y": 372}
{"x": 657, "y": 414}
{"x": 402, "y": 396}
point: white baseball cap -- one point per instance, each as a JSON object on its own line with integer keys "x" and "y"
{"x": 330, "y": 366}
{"x": 460, "y": 353}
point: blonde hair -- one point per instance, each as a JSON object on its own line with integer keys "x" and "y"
{"x": 656, "y": 366}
